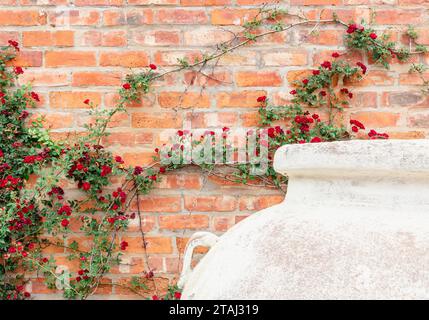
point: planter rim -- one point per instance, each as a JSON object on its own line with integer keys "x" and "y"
{"x": 397, "y": 157}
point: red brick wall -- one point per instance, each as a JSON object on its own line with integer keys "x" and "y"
{"x": 73, "y": 50}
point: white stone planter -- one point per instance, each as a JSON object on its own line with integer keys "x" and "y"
{"x": 354, "y": 225}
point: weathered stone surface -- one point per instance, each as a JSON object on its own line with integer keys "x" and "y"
{"x": 354, "y": 225}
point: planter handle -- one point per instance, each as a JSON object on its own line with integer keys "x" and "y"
{"x": 205, "y": 239}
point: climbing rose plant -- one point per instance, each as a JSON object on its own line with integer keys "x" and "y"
{"x": 36, "y": 208}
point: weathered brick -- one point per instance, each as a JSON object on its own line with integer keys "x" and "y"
{"x": 129, "y": 59}
{"x": 232, "y": 16}
{"x": 22, "y": 18}
{"x": 159, "y": 204}
{"x": 238, "y": 99}
{"x": 258, "y": 79}
{"x": 87, "y": 79}
{"x": 377, "y": 119}
{"x": 210, "y": 203}
{"x": 154, "y": 244}
{"x": 158, "y": 120}
{"x": 184, "y": 221}
{"x": 46, "y": 38}
{"x": 72, "y": 100}
{"x": 285, "y": 58}
{"x": 181, "y": 16}
{"x": 69, "y": 59}
{"x": 183, "y": 100}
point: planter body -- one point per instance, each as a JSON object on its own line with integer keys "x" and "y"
{"x": 354, "y": 225}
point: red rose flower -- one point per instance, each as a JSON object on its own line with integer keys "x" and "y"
{"x": 335, "y": 55}
{"x": 316, "y": 72}
{"x": 18, "y": 70}
{"x": 105, "y": 170}
{"x": 262, "y": 99}
{"x": 35, "y": 96}
{"x": 152, "y": 66}
{"x": 138, "y": 170}
{"x": 65, "y": 223}
{"x": 126, "y": 86}
{"x": 86, "y": 101}
{"x": 373, "y": 36}
{"x": 362, "y": 66}
{"x": 293, "y": 92}
{"x": 86, "y": 186}
{"x": 177, "y": 295}
{"x": 124, "y": 245}
{"x": 305, "y": 81}
{"x": 316, "y": 140}
{"x": 326, "y": 65}
{"x": 118, "y": 159}
{"x": 162, "y": 170}
{"x": 355, "y": 129}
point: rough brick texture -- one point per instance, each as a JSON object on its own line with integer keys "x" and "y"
{"x": 81, "y": 49}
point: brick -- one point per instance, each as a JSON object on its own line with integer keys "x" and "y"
{"x": 114, "y": 18}
{"x": 171, "y": 58}
{"x": 256, "y": 2}
{"x": 377, "y": 119}
{"x": 405, "y": 135}
{"x": 404, "y": 99}
{"x": 204, "y": 3}
{"x": 159, "y": 204}
{"x": 420, "y": 120}
{"x": 69, "y": 59}
{"x": 73, "y": 17}
{"x": 373, "y": 78}
{"x": 316, "y": 2}
{"x": 350, "y": 56}
{"x": 156, "y": 120}
{"x": 210, "y": 203}
{"x": 183, "y": 100}
{"x": 285, "y": 58}
{"x": 130, "y": 59}
{"x": 212, "y": 119}
{"x": 22, "y": 18}
{"x": 138, "y": 17}
{"x": 346, "y": 15}
{"x": 154, "y": 244}
{"x": 217, "y": 78}
{"x": 72, "y": 100}
{"x": 232, "y": 16}
{"x": 184, "y": 221}
{"x": 258, "y": 79}
{"x": 413, "y": 78}
{"x": 5, "y": 36}
{"x": 46, "y": 38}
{"x": 256, "y": 203}
{"x": 44, "y": 78}
{"x": 174, "y": 181}
{"x": 391, "y": 16}
{"x": 129, "y": 138}
{"x": 99, "y": 2}
{"x": 238, "y": 99}
{"x": 205, "y": 36}
{"x": 181, "y": 245}
{"x": 156, "y": 2}
{"x": 156, "y": 38}
{"x": 86, "y": 79}
{"x": 27, "y": 59}
{"x": 55, "y": 120}
{"x": 181, "y": 16}
{"x": 322, "y": 37}
{"x": 138, "y": 158}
